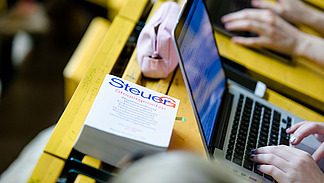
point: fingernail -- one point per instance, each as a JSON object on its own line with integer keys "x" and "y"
{"x": 224, "y": 18}
{"x": 287, "y": 129}
{"x": 236, "y": 39}
{"x": 252, "y": 151}
{"x": 252, "y": 156}
{"x": 255, "y": 2}
{"x": 228, "y": 26}
{"x": 292, "y": 139}
{"x": 258, "y": 166}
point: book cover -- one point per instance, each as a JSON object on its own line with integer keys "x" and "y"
{"x": 126, "y": 118}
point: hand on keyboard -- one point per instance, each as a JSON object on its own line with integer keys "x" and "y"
{"x": 304, "y": 129}
{"x": 287, "y": 164}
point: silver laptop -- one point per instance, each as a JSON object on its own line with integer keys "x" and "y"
{"x": 232, "y": 120}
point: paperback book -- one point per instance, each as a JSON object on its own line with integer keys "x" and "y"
{"x": 126, "y": 118}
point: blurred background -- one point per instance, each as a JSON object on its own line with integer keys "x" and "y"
{"x": 37, "y": 39}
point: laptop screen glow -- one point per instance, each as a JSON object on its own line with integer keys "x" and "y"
{"x": 203, "y": 66}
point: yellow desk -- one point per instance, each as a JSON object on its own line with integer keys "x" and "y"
{"x": 317, "y": 3}
{"x": 61, "y": 142}
{"x": 70, "y": 123}
{"x": 185, "y": 135}
{"x": 83, "y": 55}
{"x": 47, "y": 169}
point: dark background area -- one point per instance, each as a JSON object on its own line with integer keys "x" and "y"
{"x": 33, "y": 94}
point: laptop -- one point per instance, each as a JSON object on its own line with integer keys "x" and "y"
{"x": 224, "y": 7}
{"x": 232, "y": 120}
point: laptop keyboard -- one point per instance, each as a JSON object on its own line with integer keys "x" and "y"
{"x": 255, "y": 125}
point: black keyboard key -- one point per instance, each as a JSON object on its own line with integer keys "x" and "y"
{"x": 262, "y": 144}
{"x": 267, "y": 116}
{"x": 245, "y": 119}
{"x": 251, "y": 143}
{"x": 276, "y": 123}
{"x": 233, "y": 132}
{"x": 256, "y": 122}
{"x": 275, "y": 127}
{"x": 229, "y": 157}
{"x": 242, "y": 134}
{"x": 283, "y": 133}
{"x": 239, "y": 147}
{"x": 288, "y": 122}
{"x": 233, "y": 136}
{"x": 248, "y": 101}
{"x": 248, "y": 164}
{"x": 230, "y": 147}
{"x": 256, "y": 169}
{"x": 240, "y": 141}
{"x": 273, "y": 142}
{"x": 249, "y": 148}
{"x": 264, "y": 133}
{"x": 267, "y": 110}
{"x": 284, "y": 121}
{"x": 237, "y": 118}
{"x": 284, "y": 142}
{"x": 232, "y": 141}
{"x": 264, "y": 129}
{"x": 237, "y": 161}
{"x": 244, "y": 127}
{"x": 268, "y": 177}
{"x": 276, "y": 115}
{"x": 274, "y": 131}
{"x": 273, "y": 136}
{"x": 253, "y": 136}
{"x": 263, "y": 139}
{"x": 258, "y": 106}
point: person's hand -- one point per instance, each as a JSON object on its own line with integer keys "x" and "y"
{"x": 304, "y": 129}
{"x": 290, "y": 10}
{"x": 295, "y": 11}
{"x": 287, "y": 164}
{"x": 274, "y": 33}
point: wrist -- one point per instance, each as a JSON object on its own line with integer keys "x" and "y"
{"x": 303, "y": 41}
{"x": 310, "y": 47}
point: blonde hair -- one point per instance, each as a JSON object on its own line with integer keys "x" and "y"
{"x": 179, "y": 167}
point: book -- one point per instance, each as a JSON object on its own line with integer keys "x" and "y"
{"x": 126, "y": 118}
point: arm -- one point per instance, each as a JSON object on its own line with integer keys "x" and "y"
{"x": 294, "y": 11}
{"x": 274, "y": 33}
{"x": 287, "y": 164}
{"x": 310, "y": 47}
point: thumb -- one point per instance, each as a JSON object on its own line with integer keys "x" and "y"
{"x": 319, "y": 153}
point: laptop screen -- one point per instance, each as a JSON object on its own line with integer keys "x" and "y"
{"x": 202, "y": 65}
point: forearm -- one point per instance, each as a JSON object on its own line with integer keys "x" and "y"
{"x": 311, "y": 47}
{"x": 313, "y": 19}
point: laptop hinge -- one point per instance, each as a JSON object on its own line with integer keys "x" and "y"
{"x": 219, "y": 132}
